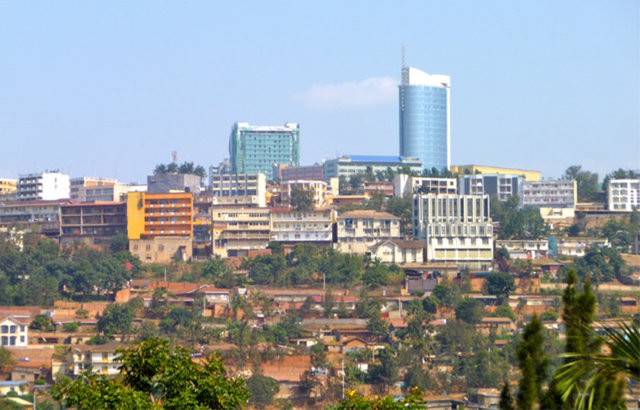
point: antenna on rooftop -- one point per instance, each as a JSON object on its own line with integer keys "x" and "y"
{"x": 174, "y": 156}
{"x": 404, "y": 57}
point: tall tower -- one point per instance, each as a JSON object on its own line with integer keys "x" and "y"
{"x": 425, "y": 121}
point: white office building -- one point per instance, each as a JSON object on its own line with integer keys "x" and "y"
{"x": 46, "y": 186}
{"x": 623, "y": 195}
{"x": 455, "y": 228}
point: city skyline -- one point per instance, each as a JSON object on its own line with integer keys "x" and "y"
{"x": 112, "y": 90}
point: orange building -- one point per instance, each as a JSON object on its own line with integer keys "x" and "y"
{"x": 160, "y": 225}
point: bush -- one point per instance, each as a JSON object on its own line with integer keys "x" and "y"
{"x": 71, "y": 327}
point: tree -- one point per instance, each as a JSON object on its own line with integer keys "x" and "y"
{"x": 116, "y": 318}
{"x": 506, "y": 399}
{"x": 500, "y": 284}
{"x": 587, "y": 182}
{"x": 578, "y": 315}
{"x": 42, "y": 323}
{"x": 155, "y": 374}
{"x": 301, "y": 199}
{"x": 470, "y": 310}
{"x": 447, "y": 294}
{"x": 532, "y": 362}
{"x": 6, "y": 357}
{"x": 596, "y": 380}
{"x": 262, "y": 389}
{"x": 601, "y": 264}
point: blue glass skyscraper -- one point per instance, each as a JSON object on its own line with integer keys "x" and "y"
{"x": 425, "y": 130}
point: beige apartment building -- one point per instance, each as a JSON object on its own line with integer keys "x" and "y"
{"x": 358, "y": 230}
{"x": 237, "y": 230}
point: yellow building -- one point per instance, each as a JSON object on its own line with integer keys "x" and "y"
{"x": 529, "y": 175}
{"x": 8, "y": 185}
{"x": 159, "y": 214}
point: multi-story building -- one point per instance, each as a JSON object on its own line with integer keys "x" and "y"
{"x": 255, "y": 149}
{"x": 455, "y": 228}
{"x": 47, "y": 186}
{"x": 239, "y": 189}
{"x": 404, "y": 184}
{"x": 160, "y": 225}
{"x": 14, "y": 331}
{"x": 425, "y": 120}
{"x": 308, "y": 172}
{"x": 501, "y": 186}
{"x": 8, "y": 186}
{"x": 290, "y": 226}
{"x": 25, "y": 215}
{"x": 101, "y": 189}
{"x": 550, "y": 193}
{"x": 93, "y": 222}
{"x": 359, "y": 230}
{"x": 623, "y": 195}
{"x": 349, "y": 165}
{"x": 318, "y": 188}
{"x": 238, "y": 230}
{"x": 529, "y": 175}
{"x": 103, "y": 359}
{"x": 171, "y": 182}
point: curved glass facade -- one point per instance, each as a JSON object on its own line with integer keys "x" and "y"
{"x": 424, "y": 124}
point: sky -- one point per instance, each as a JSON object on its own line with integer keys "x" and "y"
{"x": 110, "y": 89}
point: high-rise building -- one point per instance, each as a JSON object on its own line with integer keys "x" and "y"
{"x": 256, "y": 149}
{"x": 425, "y": 121}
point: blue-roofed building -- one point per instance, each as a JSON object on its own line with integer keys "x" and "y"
{"x": 348, "y": 165}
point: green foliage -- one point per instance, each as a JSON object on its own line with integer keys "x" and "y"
{"x": 588, "y": 187}
{"x": 506, "y": 399}
{"x": 98, "y": 340}
{"x": 447, "y": 294}
{"x": 42, "y": 323}
{"x": 516, "y": 222}
{"x": 457, "y": 337}
{"x": 532, "y": 362}
{"x": 301, "y": 199}
{"x": 470, "y": 310}
{"x": 504, "y": 310}
{"x": 601, "y": 264}
{"x": 184, "y": 168}
{"x": 262, "y": 389}
{"x": 6, "y": 357}
{"x": 168, "y": 374}
{"x": 595, "y": 380}
{"x": 71, "y": 326}
{"x": 500, "y": 284}
{"x": 549, "y": 315}
{"x": 155, "y": 374}
{"x": 117, "y": 318}
{"x": 485, "y": 368}
{"x": 419, "y": 377}
{"x": 217, "y": 270}
{"x": 355, "y": 401}
{"x": 43, "y": 272}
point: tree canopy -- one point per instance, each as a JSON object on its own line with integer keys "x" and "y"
{"x": 155, "y": 374}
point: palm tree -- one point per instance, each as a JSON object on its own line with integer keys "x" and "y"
{"x": 587, "y": 376}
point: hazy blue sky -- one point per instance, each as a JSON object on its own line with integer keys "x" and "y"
{"x": 111, "y": 88}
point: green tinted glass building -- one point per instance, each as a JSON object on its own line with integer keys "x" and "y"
{"x": 256, "y": 148}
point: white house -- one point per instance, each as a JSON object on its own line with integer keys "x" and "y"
{"x": 14, "y": 331}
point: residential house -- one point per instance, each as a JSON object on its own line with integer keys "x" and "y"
{"x": 14, "y": 331}
{"x": 358, "y": 230}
